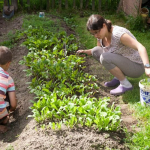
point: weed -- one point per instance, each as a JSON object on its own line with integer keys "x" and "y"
{"x": 140, "y": 140}
{"x": 10, "y": 39}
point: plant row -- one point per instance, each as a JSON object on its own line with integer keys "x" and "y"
{"x": 64, "y": 92}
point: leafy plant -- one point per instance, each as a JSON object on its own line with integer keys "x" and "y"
{"x": 136, "y": 23}
{"x": 73, "y": 111}
{"x": 145, "y": 82}
{"x": 11, "y": 38}
{"x": 64, "y": 92}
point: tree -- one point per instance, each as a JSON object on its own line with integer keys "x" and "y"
{"x": 130, "y": 7}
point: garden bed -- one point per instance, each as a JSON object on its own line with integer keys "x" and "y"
{"x": 25, "y": 133}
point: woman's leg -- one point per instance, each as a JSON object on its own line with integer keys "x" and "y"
{"x": 120, "y": 67}
{"x": 96, "y": 52}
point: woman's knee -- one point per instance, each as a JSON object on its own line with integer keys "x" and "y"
{"x": 97, "y": 49}
{"x": 96, "y": 52}
{"x": 104, "y": 58}
{"x": 106, "y": 61}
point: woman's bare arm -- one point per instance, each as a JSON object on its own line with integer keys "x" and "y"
{"x": 132, "y": 43}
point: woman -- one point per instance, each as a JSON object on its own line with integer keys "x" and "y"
{"x": 118, "y": 51}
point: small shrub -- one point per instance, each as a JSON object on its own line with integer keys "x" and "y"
{"x": 136, "y": 23}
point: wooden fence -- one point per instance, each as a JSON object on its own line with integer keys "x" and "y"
{"x": 59, "y": 4}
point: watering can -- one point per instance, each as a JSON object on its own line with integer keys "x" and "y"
{"x": 8, "y": 11}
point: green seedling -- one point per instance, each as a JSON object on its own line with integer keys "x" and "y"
{"x": 83, "y": 54}
{"x": 63, "y": 91}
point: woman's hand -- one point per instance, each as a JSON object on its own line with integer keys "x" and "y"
{"x": 81, "y": 53}
{"x": 147, "y": 72}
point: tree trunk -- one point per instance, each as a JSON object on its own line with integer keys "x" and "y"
{"x": 99, "y": 5}
{"x": 60, "y": 5}
{"x": 74, "y": 4}
{"x": 93, "y": 4}
{"x": 15, "y": 4}
{"x": 87, "y": 4}
{"x": 130, "y": 7}
{"x": 81, "y": 4}
{"x": 48, "y": 5}
{"x": 120, "y": 6}
{"x": 66, "y": 4}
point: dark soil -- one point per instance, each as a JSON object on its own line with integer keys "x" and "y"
{"x": 25, "y": 134}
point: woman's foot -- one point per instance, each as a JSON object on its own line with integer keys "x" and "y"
{"x": 3, "y": 129}
{"x": 120, "y": 90}
{"x": 113, "y": 82}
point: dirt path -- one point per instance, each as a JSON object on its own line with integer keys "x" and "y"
{"x": 25, "y": 133}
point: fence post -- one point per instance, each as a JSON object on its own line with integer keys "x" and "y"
{"x": 48, "y": 5}
{"x": 59, "y": 5}
{"x": 5, "y": 3}
{"x": 21, "y": 3}
{"x": 93, "y": 4}
{"x": 15, "y": 4}
{"x": 87, "y": 4}
{"x": 41, "y": 5}
{"x": 74, "y": 4}
{"x": 106, "y": 4}
{"x": 53, "y": 4}
{"x": 81, "y": 4}
{"x": 66, "y": 4}
{"x": 28, "y": 3}
{"x": 99, "y": 6}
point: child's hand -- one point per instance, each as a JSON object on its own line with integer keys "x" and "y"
{"x": 11, "y": 113}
